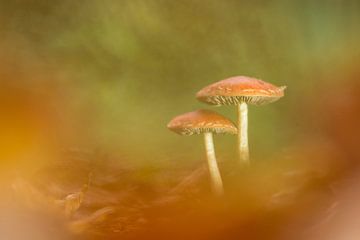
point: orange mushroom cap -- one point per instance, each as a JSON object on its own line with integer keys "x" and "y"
{"x": 201, "y": 121}
{"x": 234, "y": 90}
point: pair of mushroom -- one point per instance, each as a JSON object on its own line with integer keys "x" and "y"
{"x": 239, "y": 91}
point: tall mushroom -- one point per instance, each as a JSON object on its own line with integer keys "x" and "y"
{"x": 241, "y": 91}
{"x": 206, "y": 122}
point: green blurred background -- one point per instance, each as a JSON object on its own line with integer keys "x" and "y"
{"x": 115, "y": 72}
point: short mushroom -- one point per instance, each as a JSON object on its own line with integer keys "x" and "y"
{"x": 206, "y": 122}
{"x": 240, "y": 91}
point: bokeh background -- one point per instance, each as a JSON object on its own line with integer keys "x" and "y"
{"x": 105, "y": 77}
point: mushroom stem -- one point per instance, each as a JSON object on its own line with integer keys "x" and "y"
{"x": 215, "y": 176}
{"x": 243, "y": 133}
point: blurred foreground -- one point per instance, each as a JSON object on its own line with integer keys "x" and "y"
{"x": 310, "y": 193}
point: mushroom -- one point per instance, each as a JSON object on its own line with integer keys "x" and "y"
{"x": 241, "y": 91}
{"x": 206, "y": 122}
